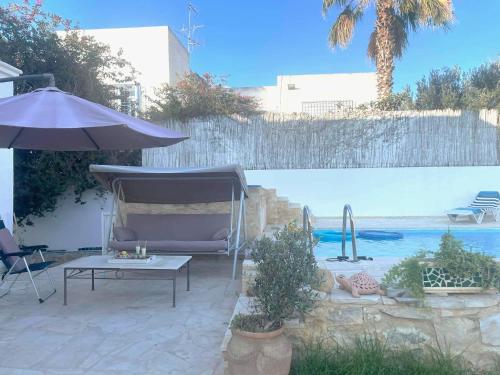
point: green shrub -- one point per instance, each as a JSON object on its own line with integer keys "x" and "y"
{"x": 369, "y": 355}
{"x": 286, "y": 273}
{"x": 453, "y": 258}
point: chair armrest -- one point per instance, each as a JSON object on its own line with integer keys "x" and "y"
{"x": 17, "y": 254}
{"x": 34, "y": 248}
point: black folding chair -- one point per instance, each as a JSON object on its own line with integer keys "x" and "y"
{"x": 15, "y": 260}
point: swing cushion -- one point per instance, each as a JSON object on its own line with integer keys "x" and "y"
{"x": 176, "y": 232}
{"x": 124, "y": 234}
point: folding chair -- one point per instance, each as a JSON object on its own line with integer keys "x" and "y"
{"x": 16, "y": 263}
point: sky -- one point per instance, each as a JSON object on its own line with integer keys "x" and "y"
{"x": 251, "y": 42}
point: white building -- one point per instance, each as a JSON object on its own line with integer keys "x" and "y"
{"x": 6, "y": 156}
{"x": 315, "y": 94}
{"x": 155, "y": 52}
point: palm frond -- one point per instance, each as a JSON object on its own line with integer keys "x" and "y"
{"x": 342, "y": 30}
{"x": 372, "y": 46}
{"x": 400, "y": 35}
{"x": 400, "y": 38}
{"x": 327, "y": 4}
{"x": 435, "y": 12}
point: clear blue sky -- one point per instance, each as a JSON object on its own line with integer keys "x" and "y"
{"x": 251, "y": 42}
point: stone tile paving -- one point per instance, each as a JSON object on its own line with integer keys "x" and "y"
{"x": 123, "y": 327}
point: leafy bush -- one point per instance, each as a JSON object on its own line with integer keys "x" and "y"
{"x": 81, "y": 65}
{"x": 285, "y": 277}
{"x": 451, "y": 257}
{"x": 369, "y": 355}
{"x": 198, "y": 96}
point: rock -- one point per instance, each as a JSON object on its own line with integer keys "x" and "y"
{"x": 327, "y": 281}
{"x": 346, "y": 316}
{"x": 404, "y": 312}
{"x": 402, "y": 336}
{"x": 450, "y": 302}
{"x": 458, "y": 334}
{"x": 490, "y": 329}
{"x": 343, "y": 297}
{"x": 388, "y": 301}
{"x": 479, "y": 301}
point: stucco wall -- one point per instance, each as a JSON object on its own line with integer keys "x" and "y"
{"x": 152, "y": 51}
{"x": 357, "y": 87}
{"x": 72, "y": 226}
{"x": 6, "y": 156}
{"x": 380, "y": 191}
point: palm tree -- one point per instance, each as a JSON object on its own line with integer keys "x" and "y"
{"x": 394, "y": 20}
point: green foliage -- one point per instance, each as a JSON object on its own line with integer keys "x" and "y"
{"x": 442, "y": 89}
{"x": 407, "y": 275}
{"x": 42, "y": 176}
{"x": 82, "y": 66}
{"x": 198, "y": 97}
{"x": 451, "y": 88}
{"x": 466, "y": 264}
{"x": 453, "y": 258}
{"x": 370, "y": 355}
{"x": 286, "y": 275}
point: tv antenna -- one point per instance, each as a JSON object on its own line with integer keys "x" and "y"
{"x": 191, "y": 28}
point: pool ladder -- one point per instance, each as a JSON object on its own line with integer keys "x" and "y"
{"x": 348, "y": 210}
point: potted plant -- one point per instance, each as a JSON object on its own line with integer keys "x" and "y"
{"x": 451, "y": 269}
{"x": 286, "y": 273}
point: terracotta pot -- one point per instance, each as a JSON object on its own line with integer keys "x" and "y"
{"x": 261, "y": 353}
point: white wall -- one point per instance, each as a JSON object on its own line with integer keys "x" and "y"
{"x": 71, "y": 226}
{"x": 6, "y": 156}
{"x": 357, "y": 87}
{"x": 371, "y": 192}
{"x": 155, "y": 52}
{"x": 380, "y": 191}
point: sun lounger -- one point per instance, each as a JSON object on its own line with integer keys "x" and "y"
{"x": 485, "y": 203}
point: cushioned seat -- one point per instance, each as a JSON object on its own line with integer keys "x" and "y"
{"x": 173, "y": 246}
{"x": 174, "y": 233}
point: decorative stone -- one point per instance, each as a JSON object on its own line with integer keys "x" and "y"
{"x": 404, "y": 312}
{"x": 490, "y": 330}
{"x": 359, "y": 284}
{"x": 346, "y": 316}
{"x": 327, "y": 281}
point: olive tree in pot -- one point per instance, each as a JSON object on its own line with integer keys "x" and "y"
{"x": 286, "y": 273}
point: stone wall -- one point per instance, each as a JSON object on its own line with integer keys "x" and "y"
{"x": 263, "y": 208}
{"x": 465, "y": 324}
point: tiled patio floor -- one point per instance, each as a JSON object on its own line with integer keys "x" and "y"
{"x": 123, "y": 327}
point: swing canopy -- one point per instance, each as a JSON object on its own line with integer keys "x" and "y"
{"x": 172, "y": 186}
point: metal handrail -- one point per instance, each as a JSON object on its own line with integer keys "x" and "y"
{"x": 348, "y": 210}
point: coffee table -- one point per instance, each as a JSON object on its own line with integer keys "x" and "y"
{"x": 97, "y": 267}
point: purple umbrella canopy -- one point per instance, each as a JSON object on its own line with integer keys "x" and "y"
{"x": 51, "y": 119}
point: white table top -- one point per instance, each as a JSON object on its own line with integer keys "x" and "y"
{"x": 161, "y": 262}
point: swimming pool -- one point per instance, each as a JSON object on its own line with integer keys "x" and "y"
{"x": 481, "y": 240}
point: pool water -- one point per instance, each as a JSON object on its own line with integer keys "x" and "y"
{"x": 481, "y": 240}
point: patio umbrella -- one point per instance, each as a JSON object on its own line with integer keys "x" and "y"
{"x": 51, "y": 119}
